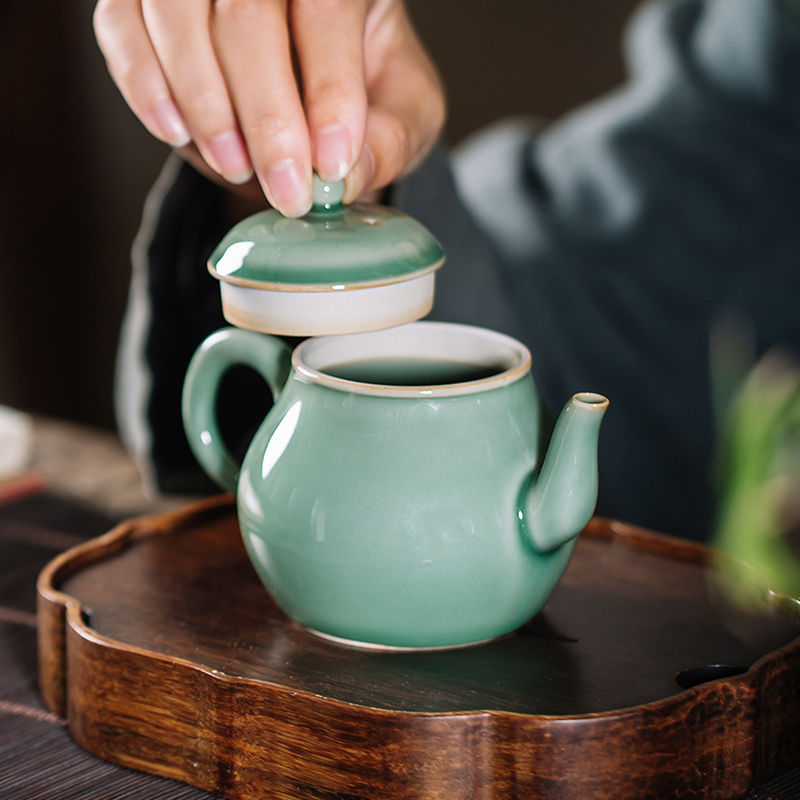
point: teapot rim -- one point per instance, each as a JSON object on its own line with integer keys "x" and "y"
{"x": 338, "y": 349}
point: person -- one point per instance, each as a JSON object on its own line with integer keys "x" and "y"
{"x": 610, "y": 242}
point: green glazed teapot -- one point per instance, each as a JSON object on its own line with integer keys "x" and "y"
{"x": 394, "y": 495}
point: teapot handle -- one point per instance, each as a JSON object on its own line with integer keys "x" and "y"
{"x": 268, "y": 356}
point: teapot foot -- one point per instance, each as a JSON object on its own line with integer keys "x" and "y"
{"x": 388, "y": 648}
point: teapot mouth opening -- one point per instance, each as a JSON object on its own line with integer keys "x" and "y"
{"x": 413, "y": 360}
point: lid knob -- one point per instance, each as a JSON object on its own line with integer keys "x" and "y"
{"x": 326, "y": 196}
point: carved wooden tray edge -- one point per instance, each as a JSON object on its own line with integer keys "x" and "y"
{"x": 53, "y": 605}
{"x": 774, "y": 733}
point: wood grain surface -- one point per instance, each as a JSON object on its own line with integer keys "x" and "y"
{"x": 165, "y": 654}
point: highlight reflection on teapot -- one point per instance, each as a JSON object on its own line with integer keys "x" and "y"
{"x": 394, "y": 496}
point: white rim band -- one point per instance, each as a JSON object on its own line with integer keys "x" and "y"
{"x": 333, "y": 312}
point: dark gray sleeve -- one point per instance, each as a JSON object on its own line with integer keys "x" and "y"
{"x": 612, "y": 241}
{"x": 173, "y": 305}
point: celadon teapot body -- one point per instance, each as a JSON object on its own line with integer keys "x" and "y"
{"x": 394, "y": 494}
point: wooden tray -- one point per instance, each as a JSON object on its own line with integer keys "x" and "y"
{"x": 165, "y": 654}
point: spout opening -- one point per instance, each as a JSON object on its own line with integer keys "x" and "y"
{"x": 591, "y": 399}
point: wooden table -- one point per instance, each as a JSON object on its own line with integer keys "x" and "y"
{"x": 38, "y": 758}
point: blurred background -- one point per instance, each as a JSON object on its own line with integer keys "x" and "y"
{"x": 76, "y": 165}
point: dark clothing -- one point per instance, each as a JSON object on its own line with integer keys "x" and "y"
{"x": 609, "y": 243}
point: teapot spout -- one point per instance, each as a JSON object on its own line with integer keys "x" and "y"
{"x": 558, "y": 503}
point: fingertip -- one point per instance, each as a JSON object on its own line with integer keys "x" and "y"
{"x": 360, "y": 177}
{"x": 288, "y": 188}
{"x": 333, "y": 152}
{"x": 168, "y": 123}
{"x": 230, "y": 156}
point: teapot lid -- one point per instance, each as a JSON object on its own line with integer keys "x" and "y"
{"x": 339, "y": 269}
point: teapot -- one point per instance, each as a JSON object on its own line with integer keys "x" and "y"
{"x": 395, "y": 496}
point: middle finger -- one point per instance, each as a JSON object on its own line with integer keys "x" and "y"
{"x": 253, "y": 44}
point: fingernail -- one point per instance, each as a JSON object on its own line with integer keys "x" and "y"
{"x": 230, "y": 154}
{"x": 288, "y": 188}
{"x": 362, "y": 175}
{"x": 332, "y": 152}
{"x": 169, "y": 123}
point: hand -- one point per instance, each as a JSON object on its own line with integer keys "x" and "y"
{"x": 216, "y": 80}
